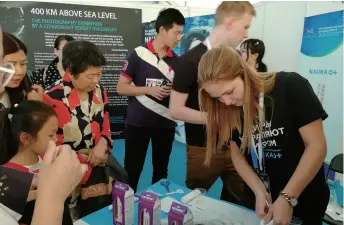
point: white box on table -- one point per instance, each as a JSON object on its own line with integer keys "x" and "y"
{"x": 123, "y": 204}
{"x": 149, "y": 209}
{"x": 179, "y": 215}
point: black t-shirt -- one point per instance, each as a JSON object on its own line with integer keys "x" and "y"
{"x": 291, "y": 105}
{"x": 185, "y": 81}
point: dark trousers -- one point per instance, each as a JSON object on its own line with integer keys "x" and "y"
{"x": 136, "y": 145}
{"x": 200, "y": 176}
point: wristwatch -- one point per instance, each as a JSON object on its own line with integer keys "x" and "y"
{"x": 291, "y": 200}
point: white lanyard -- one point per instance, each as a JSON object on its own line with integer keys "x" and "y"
{"x": 208, "y": 43}
{"x": 259, "y": 153}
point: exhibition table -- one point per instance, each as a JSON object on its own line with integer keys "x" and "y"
{"x": 208, "y": 209}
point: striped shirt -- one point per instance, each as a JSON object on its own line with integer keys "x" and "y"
{"x": 144, "y": 68}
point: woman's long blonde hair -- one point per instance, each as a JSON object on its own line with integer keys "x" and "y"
{"x": 221, "y": 64}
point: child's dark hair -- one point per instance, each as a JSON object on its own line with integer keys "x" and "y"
{"x": 13, "y": 45}
{"x": 254, "y": 46}
{"x": 29, "y": 116}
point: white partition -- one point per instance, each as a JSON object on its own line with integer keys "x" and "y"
{"x": 282, "y": 34}
{"x": 280, "y": 26}
{"x": 257, "y": 27}
{"x": 316, "y": 8}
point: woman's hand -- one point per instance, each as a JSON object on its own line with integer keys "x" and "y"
{"x": 109, "y": 186}
{"x": 104, "y": 160}
{"x": 36, "y": 93}
{"x": 2, "y": 90}
{"x": 32, "y": 196}
{"x": 98, "y": 155}
{"x": 280, "y": 212}
{"x": 33, "y": 189}
{"x": 263, "y": 202}
{"x": 60, "y": 173}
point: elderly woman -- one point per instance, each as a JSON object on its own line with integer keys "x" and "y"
{"x": 81, "y": 104}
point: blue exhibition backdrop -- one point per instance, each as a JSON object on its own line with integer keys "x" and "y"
{"x": 321, "y": 62}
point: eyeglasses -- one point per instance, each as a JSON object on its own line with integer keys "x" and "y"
{"x": 6, "y": 73}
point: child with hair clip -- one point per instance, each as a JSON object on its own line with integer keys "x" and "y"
{"x": 26, "y": 130}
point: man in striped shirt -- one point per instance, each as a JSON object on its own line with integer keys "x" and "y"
{"x": 146, "y": 78}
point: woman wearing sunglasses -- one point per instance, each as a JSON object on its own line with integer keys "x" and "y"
{"x": 15, "y": 85}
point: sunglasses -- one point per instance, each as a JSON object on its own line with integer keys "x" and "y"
{"x": 6, "y": 73}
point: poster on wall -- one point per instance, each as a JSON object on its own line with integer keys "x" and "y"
{"x": 38, "y": 25}
{"x": 148, "y": 31}
{"x": 196, "y": 30}
{"x": 321, "y": 62}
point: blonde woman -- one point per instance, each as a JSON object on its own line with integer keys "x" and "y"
{"x": 280, "y": 121}
{"x": 232, "y": 21}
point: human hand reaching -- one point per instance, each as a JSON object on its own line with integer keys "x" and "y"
{"x": 60, "y": 173}
{"x": 6, "y": 73}
{"x": 36, "y": 93}
{"x": 32, "y": 195}
{"x": 263, "y": 202}
{"x": 98, "y": 155}
{"x": 169, "y": 88}
{"x": 3, "y": 79}
{"x": 160, "y": 92}
{"x": 280, "y": 212}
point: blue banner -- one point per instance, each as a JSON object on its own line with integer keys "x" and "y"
{"x": 321, "y": 62}
{"x": 196, "y": 30}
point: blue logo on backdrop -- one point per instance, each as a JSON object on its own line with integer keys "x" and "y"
{"x": 322, "y": 34}
{"x": 322, "y": 72}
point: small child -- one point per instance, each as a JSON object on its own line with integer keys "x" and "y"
{"x": 25, "y": 131}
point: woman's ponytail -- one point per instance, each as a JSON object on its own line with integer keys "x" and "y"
{"x": 262, "y": 68}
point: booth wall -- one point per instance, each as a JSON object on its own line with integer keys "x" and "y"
{"x": 280, "y": 26}
{"x": 149, "y": 11}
